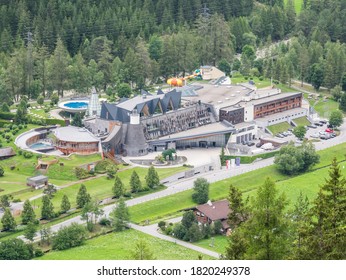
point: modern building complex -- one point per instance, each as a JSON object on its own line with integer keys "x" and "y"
{"x": 201, "y": 116}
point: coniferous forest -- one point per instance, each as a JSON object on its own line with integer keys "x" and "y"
{"x": 58, "y": 45}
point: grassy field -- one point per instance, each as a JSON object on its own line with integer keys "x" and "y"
{"x": 118, "y": 246}
{"x": 216, "y": 244}
{"x": 301, "y": 121}
{"x": 101, "y": 188}
{"x": 280, "y": 127}
{"x": 248, "y": 183}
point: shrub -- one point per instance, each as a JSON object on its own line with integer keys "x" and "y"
{"x": 27, "y": 154}
{"x": 68, "y": 237}
{"x": 16, "y": 200}
{"x": 162, "y": 225}
{"x": 81, "y": 173}
{"x": 105, "y": 222}
{"x": 261, "y": 78}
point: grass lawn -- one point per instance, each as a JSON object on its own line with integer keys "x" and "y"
{"x": 280, "y": 127}
{"x": 325, "y": 107}
{"x": 216, "y": 243}
{"x": 301, "y": 121}
{"x": 248, "y": 183}
{"x": 238, "y": 78}
{"x": 118, "y": 246}
{"x": 101, "y": 188}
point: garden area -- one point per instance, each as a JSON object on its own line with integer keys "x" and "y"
{"x": 278, "y": 128}
{"x": 248, "y": 183}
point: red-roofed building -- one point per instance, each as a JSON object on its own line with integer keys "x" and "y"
{"x": 212, "y": 212}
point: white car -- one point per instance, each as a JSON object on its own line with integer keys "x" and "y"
{"x": 315, "y": 135}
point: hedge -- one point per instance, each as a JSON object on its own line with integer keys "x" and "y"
{"x": 7, "y": 115}
{"x": 3, "y": 122}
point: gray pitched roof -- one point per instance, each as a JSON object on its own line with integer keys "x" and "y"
{"x": 7, "y": 152}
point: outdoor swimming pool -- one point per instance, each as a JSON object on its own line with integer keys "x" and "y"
{"x": 40, "y": 145}
{"x": 76, "y": 104}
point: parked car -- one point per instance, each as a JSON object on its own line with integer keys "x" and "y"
{"x": 329, "y": 130}
{"x": 324, "y": 136}
{"x": 250, "y": 144}
{"x": 323, "y": 121}
{"x": 318, "y": 124}
{"x": 279, "y": 135}
{"x": 258, "y": 145}
{"x": 315, "y": 135}
{"x": 312, "y": 126}
{"x": 321, "y": 132}
{"x": 329, "y": 126}
{"x": 284, "y": 134}
{"x": 244, "y": 142}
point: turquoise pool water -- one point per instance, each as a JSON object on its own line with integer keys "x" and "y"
{"x": 40, "y": 145}
{"x": 76, "y": 105}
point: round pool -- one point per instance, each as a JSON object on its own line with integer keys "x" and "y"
{"x": 74, "y": 106}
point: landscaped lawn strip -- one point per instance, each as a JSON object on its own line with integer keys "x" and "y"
{"x": 118, "y": 246}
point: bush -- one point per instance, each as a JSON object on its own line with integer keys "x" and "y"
{"x": 162, "y": 225}
{"x": 105, "y": 222}
{"x": 27, "y": 154}
{"x": 68, "y": 237}
{"x": 81, "y": 173}
{"x": 16, "y": 200}
{"x": 261, "y": 78}
{"x": 38, "y": 253}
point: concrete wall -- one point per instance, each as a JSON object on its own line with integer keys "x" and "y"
{"x": 188, "y": 174}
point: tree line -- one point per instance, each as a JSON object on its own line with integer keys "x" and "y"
{"x": 132, "y": 44}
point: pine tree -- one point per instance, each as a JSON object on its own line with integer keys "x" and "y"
{"x": 142, "y": 251}
{"x": 82, "y": 197}
{"x": 7, "y": 220}
{"x": 135, "y": 183}
{"x": 120, "y": 216}
{"x": 118, "y": 188}
{"x": 325, "y": 238}
{"x": 265, "y": 235}
{"x": 31, "y": 230}
{"x": 47, "y": 211}
{"x": 238, "y": 213}
{"x": 65, "y": 204}
{"x": 300, "y": 220}
{"x": 152, "y": 179}
{"x": 28, "y": 215}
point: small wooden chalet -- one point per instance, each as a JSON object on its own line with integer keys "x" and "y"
{"x": 212, "y": 212}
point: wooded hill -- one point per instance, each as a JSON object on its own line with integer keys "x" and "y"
{"x": 56, "y": 45}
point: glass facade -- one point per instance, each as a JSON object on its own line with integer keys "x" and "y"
{"x": 204, "y": 142}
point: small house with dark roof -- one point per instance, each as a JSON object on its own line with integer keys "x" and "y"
{"x": 211, "y": 212}
{"x": 6, "y": 153}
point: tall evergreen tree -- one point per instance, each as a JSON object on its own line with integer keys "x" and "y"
{"x": 83, "y": 197}
{"x": 118, "y": 188}
{"x": 120, "y": 216}
{"x": 152, "y": 179}
{"x": 65, "y": 204}
{"x": 265, "y": 234}
{"x": 135, "y": 183}
{"x": 325, "y": 237}
{"x": 7, "y": 220}
{"x": 28, "y": 215}
{"x": 47, "y": 211}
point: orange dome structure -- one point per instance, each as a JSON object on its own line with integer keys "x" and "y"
{"x": 176, "y": 82}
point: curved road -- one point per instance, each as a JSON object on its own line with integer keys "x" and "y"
{"x": 212, "y": 176}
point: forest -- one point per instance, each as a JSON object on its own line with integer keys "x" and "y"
{"x": 58, "y": 45}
